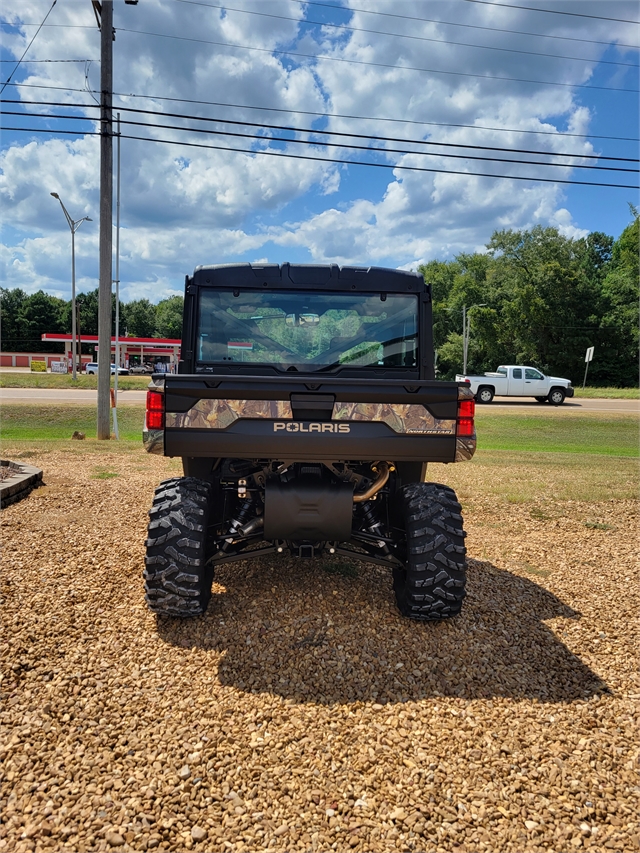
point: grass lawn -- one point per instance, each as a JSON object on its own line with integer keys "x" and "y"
{"x": 558, "y": 431}
{"x": 27, "y": 423}
{"x": 504, "y": 476}
{"x": 56, "y": 380}
{"x": 609, "y": 393}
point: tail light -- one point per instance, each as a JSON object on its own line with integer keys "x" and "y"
{"x": 466, "y": 413}
{"x": 155, "y": 410}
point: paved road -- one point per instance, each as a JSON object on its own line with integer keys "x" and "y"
{"x": 64, "y": 395}
{"x": 55, "y": 395}
{"x": 573, "y": 405}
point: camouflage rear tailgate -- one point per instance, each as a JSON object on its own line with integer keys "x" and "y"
{"x": 310, "y": 419}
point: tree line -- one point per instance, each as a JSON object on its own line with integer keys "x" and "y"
{"x": 26, "y": 317}
{"x": 544, "y": 298}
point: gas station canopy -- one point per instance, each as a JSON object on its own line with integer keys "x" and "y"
{"x": 129, "y": 347}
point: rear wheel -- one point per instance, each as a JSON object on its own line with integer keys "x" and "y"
{"x": 432, "y": 584}
{"x": 177, "y": 579}
{"x": 556, "y": 396}
{"x": 485, "y": 394}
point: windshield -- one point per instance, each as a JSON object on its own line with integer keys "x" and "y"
{"x": 307, "y": 331}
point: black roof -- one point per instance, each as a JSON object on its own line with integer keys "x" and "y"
{"x": 329, "y": 276}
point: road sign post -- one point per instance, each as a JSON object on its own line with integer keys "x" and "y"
{"x": 587, "y": 358}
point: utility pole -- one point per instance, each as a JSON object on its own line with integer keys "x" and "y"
{"x": 104, "y": 15}
{"x": 106, "y": 216}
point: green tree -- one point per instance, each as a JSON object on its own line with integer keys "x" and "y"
{"x": 42, "y": 313}
{"x": 169, "y": 317}
{"x": 13, "y": 326}
{"x": 87, "y": 313}
{"x": 546, "y": 299}
{"x": 597, "y": 252}
{"x": 139, "y": 318}
{"x": 440, "y": 275}
{"x": 454, "y": 285}
{"x": 450, "y": 356}
{"x": 547, "y": 303}
{"x": 616, "y": 356}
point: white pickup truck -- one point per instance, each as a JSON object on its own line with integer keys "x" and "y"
{"x": 518, "y": 381}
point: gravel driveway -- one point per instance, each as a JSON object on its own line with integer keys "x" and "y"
{"x": 302, "y": 712}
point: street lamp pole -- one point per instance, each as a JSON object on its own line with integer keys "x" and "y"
{"x": 465, "y": 339}
{"x": 466, "y": 331}
{"x": 78, "y": 306}
{"x": 74, "y": 224}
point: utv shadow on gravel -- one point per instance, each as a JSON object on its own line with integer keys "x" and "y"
{"x": 296, "y": 631}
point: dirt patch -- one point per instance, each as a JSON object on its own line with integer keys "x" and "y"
{"x": 302, "y": 712}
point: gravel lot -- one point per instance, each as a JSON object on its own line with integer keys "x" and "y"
{"x": 302, "y": 713}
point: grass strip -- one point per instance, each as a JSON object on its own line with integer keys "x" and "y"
{"x": 607, "y": 435}
{"x": 608, "y": 393}
{"x": 555, "y": 431}
{"x": 529, "y": 478}
{"x": 59, "y": 422}
{"x": 56, "y": 380}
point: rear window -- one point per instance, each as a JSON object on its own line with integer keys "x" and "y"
{"x": 502, "y": 371}
{"x": 307, "y": 331}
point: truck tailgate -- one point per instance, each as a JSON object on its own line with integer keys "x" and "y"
{"x": 310, "y": 418}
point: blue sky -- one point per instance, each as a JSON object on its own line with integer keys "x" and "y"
{"x": 492, "y": 75}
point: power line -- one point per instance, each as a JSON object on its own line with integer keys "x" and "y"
{"x": 334, "y": 115}
{"x": 383, "y": 165}
{"x": 255, "y": 152}
{"x": 368, "y": 118}
{"x": 307, "y": 22}
{"x": 377, "y": 150}
{"x": 454, "y": 24}
{"x": 340, "y": 145}
{"x": 50, "y": 26}
{"x": 552, "y": 11}
{"x": 31, "y": 61}
{"x": 386, "y": 15}
{"x": 312, "y": 131}
{"x": 394, "y": 66}
{"x": 27, "y": 47}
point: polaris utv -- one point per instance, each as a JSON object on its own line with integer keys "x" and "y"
{"x": 305, "y": 410}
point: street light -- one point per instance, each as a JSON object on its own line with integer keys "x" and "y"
{"x": 74, "y": 224}
{"x": 466, "y": 329}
